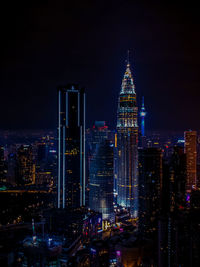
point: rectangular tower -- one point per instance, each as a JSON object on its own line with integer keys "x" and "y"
{"x": 150, "y": 177}
{"x": 71, "y": 147}
{"x": 191, "y": 158}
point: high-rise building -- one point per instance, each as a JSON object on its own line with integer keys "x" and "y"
{"x": 191, "y": 159}
{"x": 177, "y": 181}
{"x": 71, "y": 147}
{"x": 127, "y": 145}
{"x": 11, "y": 168}
{"x": 150, "y": 176}
{"x": 94, "y": 136}
{"x": 101, "y": 180}
{"x": 99, "y": 132}
{"x": 25, "y": 167}
{"x": 2, "y": 166}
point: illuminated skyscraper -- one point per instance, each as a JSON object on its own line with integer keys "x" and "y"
{"x": 71, "y": 147}
{"x": 191, "y": 159}
{"x": 127, "y": 145}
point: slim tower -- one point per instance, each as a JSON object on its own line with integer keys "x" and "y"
{"x": 71, "y": 147}
{"x": 142, "y": 116}
{"x": 127, "y": 144}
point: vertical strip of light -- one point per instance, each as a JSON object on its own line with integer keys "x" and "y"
{"x": 59, "y": 111}
{"x": 81, "y": 167}
{"x": 67, "y": 119}
{"x": 63, "y": 166}
{"x": 84, "y": 149}
{"x": 78, "y": 109}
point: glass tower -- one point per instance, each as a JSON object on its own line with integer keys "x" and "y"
{"x": 101, "y": 180}
{"x": 127, "y": 145}
{"x": 71, "y": 147}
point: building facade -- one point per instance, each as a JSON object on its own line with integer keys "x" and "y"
{"x": 71, "y": 147}
{"x": 150, "y": 176}
{"x": 25, "y": 167}
{"x": 191, "y": 159}
{"x": 2, "y": 166}
{"x": 127, "y": 145}
{"x": 101, "y": 180}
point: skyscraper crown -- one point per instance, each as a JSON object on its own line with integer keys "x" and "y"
{"x": 127, "y": 86}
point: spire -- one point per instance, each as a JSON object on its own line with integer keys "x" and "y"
{"x": 128, "y": 58}
{"x": 127, "y": 86}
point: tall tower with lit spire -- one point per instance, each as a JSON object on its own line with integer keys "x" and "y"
{"x": 142, "y": 116}
{"x": 127, "y": 144}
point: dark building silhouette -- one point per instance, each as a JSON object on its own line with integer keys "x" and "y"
{"x": 178, "y": 176}
{"x": 2, "y": 166}
{"x": 174, "y": 236}
{"x": 11, "y": 168}
{"x": 71, "y": 147}
{"x": 150, "y": 177}
{"x": 174, "y": 181}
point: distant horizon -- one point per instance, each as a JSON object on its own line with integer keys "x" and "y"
{"x": 149, "y": 132}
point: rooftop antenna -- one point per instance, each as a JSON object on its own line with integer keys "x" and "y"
{"x": 128, "y": 58}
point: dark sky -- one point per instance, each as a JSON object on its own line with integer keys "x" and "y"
{"x": 50, "y": 44}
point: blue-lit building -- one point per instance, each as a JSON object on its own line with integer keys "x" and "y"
{"x": 142, "y": 125}
{"x": 94, "y": 136}
{"x": 142, "y": 116}
{"x": 127, "y": 145}
{"x": 71, "y": 147}
{"x": 101, "y": 180}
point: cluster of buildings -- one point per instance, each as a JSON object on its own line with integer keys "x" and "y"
{"x": 122, "y": 178}
{"x": 29, "y": 162}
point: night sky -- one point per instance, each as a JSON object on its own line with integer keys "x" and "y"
{"x": 50, "y": 44}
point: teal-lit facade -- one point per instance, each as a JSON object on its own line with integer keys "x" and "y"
{"x": 127, "y": 145}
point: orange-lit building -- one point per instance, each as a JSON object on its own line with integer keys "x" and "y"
{"x": 191, "y": 159}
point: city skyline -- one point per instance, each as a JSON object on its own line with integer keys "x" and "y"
{"x": 99, "y": 37}
{"x": 99, "y": 139}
